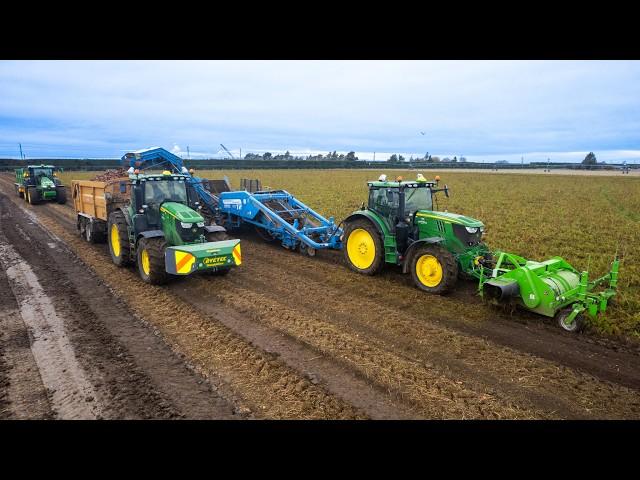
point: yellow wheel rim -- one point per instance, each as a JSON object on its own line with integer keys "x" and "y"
{"x": 115, "y": 240}
{"x": 361, "y": 248}
{"x": 429, "y": 270}
{"x": 146, "y": 264}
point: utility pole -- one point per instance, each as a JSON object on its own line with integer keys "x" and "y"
{"x": 188, "y": 153}
{"x": 240, "y": 153}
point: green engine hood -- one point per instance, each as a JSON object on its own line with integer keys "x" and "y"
{"x": 181, "y": 212}
{"x": 46, "y": 182}
{"x": 449, "y": 217}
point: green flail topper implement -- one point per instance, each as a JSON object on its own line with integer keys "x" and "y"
{"x": 399, "y": 226}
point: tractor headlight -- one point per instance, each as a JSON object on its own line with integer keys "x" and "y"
{"x": 186, "y": 225}
{"x": 200, "y": 224}
{"x": 472, "y": 229}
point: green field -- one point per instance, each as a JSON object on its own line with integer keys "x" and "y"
{"x": 583, "y": 218}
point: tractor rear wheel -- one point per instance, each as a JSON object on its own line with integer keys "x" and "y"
{"x": 363, "y": 248}
{"x": 150, "y": 256}
{"x": 434, "y": 269}
{"x": 118, "y": 235}
{"x": 61, "y": 195}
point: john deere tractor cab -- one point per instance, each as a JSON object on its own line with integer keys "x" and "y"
{"x": 159, "y": 231}
{"x": 37, "y": 183}
{"x": 399, "y": 226}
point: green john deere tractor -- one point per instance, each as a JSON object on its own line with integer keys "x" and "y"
{"x": 171, "y": 237}
{"x": 37, "y": 183}
{"x": 400, "y": 227}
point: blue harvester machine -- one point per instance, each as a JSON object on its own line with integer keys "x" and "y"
{"x": 276, "y": 214}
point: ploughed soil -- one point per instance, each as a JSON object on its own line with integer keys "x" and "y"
{"x": 282, "y": 336}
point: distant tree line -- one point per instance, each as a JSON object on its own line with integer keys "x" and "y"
{"x": 330, "y": 156}
{"x": 397, "y": 158}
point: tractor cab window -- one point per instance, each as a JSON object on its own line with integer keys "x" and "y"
{"x": 159, "y": 191}
{"x": 385, "y": 201}
{"x": 40, "y": 172}
{"x": 417, "y": 199}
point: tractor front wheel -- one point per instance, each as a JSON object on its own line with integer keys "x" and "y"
{"x": 32, "y": 196}
{"x": 363, "y": 248}
{"x": 217, "y": 236}
{"x": 434, "y": 269}
{"x": 61, "y": 195}
{"x": 118, "y": 236}
{"x": 150, "y": 256}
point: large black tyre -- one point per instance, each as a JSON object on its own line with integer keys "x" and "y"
{"x": 33, "y": 197}
{"x": 91, "y": 236}
{"x": 61, "y": 195}
{"x": 217, "y": 236}
{"x": 363, "y": 248}
{"x": 434, "y": 269}
{"x": 118, "y": 236}
{"x": 150, "y": 259}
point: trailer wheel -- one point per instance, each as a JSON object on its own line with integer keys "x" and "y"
{"x": 576, "y": 326}
{"x": 118, "y": 239}
{"x": 363, "y": 249}
{"x": 90, "y": 235}
{"x": 150, "y": 256}
{"x": 434, "y": 269}
{"x": 61, "y": 195}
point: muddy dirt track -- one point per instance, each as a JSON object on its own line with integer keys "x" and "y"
{"x": 282, "y": 336}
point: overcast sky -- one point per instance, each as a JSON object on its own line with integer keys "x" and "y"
{"x": 479, "y": 109}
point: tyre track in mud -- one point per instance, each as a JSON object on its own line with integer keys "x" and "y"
{"x": 520, "y": 375}
{"x": 133, "y": 373}
{"x": 22, "y": 394}
{"x": 406, "y": 335}
{"x": 428, "y": 392}
{"x": 602, "y": 357}
{"x": 262, "y": 385}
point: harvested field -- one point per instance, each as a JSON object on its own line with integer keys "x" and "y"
{"x": 287, "y": 336}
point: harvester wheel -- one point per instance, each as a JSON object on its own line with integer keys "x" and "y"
{"x": 434, "y": 269}
{"x": 363, "y": 249}
{"x": 118, "y": 239}
{"x": 61, "y": 195}
{"x": 576, "y": 326}
{"x": 150, "y": 256}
